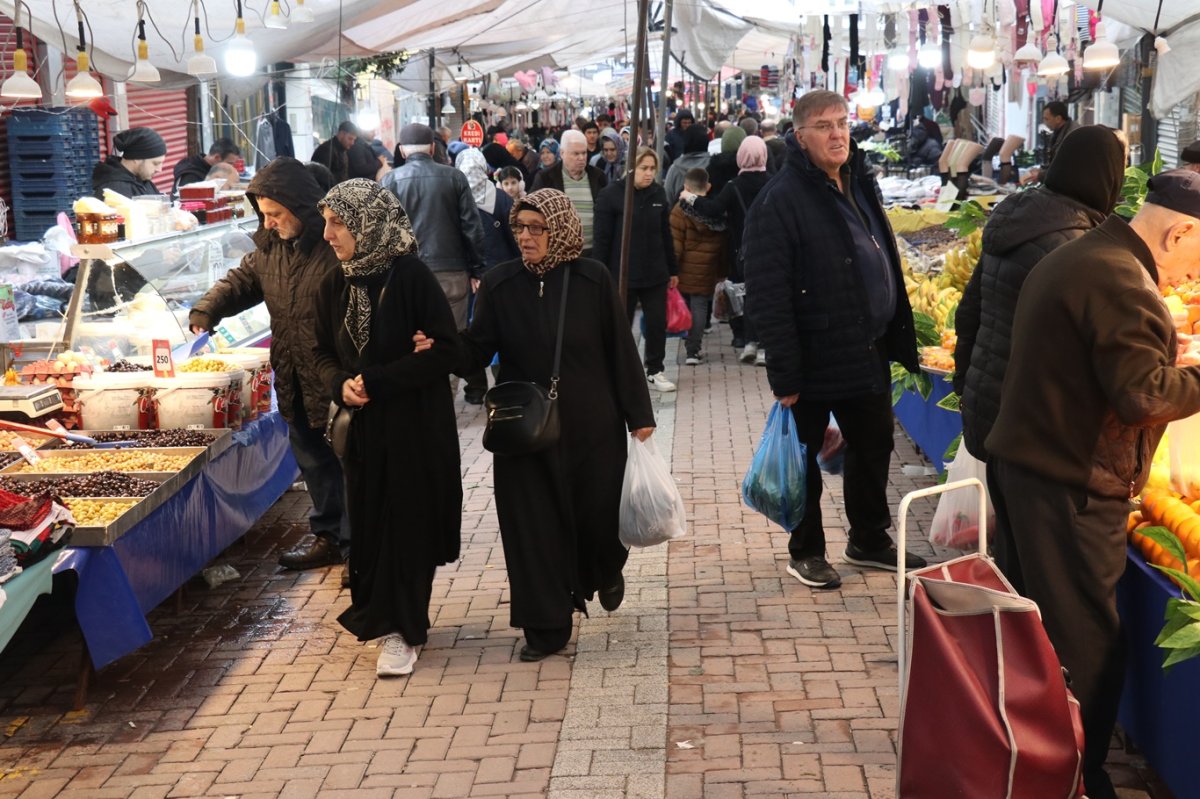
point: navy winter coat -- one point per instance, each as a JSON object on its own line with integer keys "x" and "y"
{"x": 806, "y": 295}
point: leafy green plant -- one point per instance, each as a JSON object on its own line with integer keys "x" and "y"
{"x": 1133, "y": 190}
{"x": 884, "y": 149}
{"x": 967, "y": 217}
{"x": 925, "y": 329}
{"x": 1180, "y": 635}
{"x": 904, "y": 380}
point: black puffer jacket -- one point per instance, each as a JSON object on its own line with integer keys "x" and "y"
{"x": 651, "y": 250}
{"x": 807, "y": 298}
{"x": 109, "y": 174}
{"x": 1021, "y": 231}
{"x": 285, "y": 274}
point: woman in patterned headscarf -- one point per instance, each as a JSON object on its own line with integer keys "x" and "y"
{"x": 558, "y": 507}
{"x": 403, "y": 486}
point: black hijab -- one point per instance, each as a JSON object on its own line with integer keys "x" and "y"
{"x": 1089, "y": 167}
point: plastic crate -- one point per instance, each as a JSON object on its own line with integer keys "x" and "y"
{"x": 41, "y": 147}
{"x": 59, "y": 183}
{"x": 32, "y": 225}
{"x": 52, "y": 203}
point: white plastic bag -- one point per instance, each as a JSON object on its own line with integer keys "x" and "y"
{"x": 651, "y": 505}
{"x": 956, "y": 521}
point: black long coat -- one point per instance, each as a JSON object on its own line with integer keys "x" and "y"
{"x": 403, "y": 484}
{"x": 558, "y": 508}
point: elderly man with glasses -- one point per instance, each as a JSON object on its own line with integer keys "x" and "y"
{"x": 824, "y": 287}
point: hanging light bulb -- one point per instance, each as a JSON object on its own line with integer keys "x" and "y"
{"x": 1101, "y": 54}
{"x": 982, "y": 53}
{"x": 275, "y": 18}
{"x": 143, "y": 70}
{"x": 1053, "y": 66}
{"x": 1028, "y": 52}
{"x": 240, "y": 58}
{"x": 200, "y": 65}
{"x": 448, "y": 108}
{"x": 19, "y": 85}
{"x": 83, "y": 86}
{"x": 898, "y": 60}
{"x": 300, "y": 14}
{"x": 929, "y": 56}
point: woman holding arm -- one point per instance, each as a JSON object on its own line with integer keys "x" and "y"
{"x": 403, "y": 485}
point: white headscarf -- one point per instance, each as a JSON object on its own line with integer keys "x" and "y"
{"x": 472, "y": 164}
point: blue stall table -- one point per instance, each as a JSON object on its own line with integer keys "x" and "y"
{"x": 1158, "y": 710}
{"x": 931, "y": 428}
{"x": 121, "y": 583}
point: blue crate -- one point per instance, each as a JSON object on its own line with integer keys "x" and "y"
{"x": 53, "y": 203}
{"x": 42, "y": 162}
{"x": 61, "y": 147}
{"x": 23, "y": 187}
{"x": 32, "y": 225}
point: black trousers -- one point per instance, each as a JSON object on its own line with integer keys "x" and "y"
{"x": 1067, "y": 554}
{"x": 868, "y": 429}
{"x": 654, "y": 309}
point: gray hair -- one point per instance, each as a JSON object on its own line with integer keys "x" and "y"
{"x": 816, "y": 101}
{"x": 573, "y": 137}
{"x": 750, "y": 125}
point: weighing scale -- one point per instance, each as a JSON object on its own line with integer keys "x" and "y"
{"x": 25, "y": 403}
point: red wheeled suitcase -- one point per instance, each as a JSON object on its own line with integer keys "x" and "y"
{"x": 985, "y": 711}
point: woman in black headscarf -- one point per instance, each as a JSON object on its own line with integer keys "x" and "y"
{"x": 1082, "y": 187}
{"x": 558, "y": 507}
{"x": 403, "y": 486}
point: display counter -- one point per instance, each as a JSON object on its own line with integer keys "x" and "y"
{"x": 931, "y": 428}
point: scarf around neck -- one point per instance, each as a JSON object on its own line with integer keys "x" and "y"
{"x": 562, "y": 223}
{"x": 381, "y": 230}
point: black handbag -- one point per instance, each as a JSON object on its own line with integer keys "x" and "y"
{"x": 337, "y": 428}
{"x": 522, "y": 417}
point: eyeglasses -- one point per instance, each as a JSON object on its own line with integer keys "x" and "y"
{"x": 825, "y": 128}
{"x": 534, "y": 230}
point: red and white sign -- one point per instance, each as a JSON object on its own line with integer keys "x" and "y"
{"x": 164, "y": 364}
{"x": 472, "y": 133}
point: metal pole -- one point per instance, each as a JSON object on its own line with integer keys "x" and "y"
{"x": 660, "y": 132}
{"x": 639, "y": 80}
{"x": 433, "y": 106}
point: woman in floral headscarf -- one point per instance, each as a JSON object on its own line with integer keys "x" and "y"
{"x": 403, "y": 486}
{"x": 548, "y": 153}
{"x": 558, "y": 507}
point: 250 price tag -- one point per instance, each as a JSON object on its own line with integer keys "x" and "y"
{"x": 164, "y": 364}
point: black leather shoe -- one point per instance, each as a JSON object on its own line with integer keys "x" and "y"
{"x": 474, "y": 397}
{"x": 346, "y": 576}
{"x": 531, "y": 655}
{"x": 611, "y": 597}
{"x": 884, "y": 558}
{"x": 312, "y": 552}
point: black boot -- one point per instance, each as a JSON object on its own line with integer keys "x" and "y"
{"x": 311, "y": 552}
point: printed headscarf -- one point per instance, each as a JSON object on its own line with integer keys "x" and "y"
{"x": 472, "y": 164}
{"x": 562, "y": 224}
{"x": 613, "y": 170}
{"x": 551, "y": 145}
{"x": 381, "y": 230}
{"x": 752, "y": 155}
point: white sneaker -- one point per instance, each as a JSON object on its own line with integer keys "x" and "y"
{"x": 760, "y": 358}
{"x": 748, "y": 353}
{"x": 660, "y": 382}
{"x": 694, "y": 360}
{"x": 396, "y": 657}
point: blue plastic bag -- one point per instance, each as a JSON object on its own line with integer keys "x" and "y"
{"x": 775, "y": 484}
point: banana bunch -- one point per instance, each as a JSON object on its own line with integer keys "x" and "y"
{"x": 938, "y": 303}
{"x": 957, "y": 267}
{"x": 975, "y": 245}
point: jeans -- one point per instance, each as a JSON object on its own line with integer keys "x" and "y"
{"x": 322, "y": 473}
{"x": 698, "y": 304}
{"x": 654, "y": 311}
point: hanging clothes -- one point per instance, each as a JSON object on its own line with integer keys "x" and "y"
{"x": 283, "y": 133}
{"x": 264, "y": 144}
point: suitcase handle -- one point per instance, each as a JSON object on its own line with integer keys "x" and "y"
{"x": 901, "y": 548}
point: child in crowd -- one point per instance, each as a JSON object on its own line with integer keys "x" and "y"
{"x": 511, "y": 181}
{"x": 700, "y": 243}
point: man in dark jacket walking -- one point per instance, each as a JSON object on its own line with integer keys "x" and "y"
{"x": 1081, "y": 189}
{"x": 441, "y": 207}
{"x": 823, "y": 284}
{"x": 1092, "y": 382}
{"x": 285, "y": 272}
{"x": 577, "y": 179}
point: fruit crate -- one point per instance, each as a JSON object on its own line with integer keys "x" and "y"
{"x": 31, "y": 225}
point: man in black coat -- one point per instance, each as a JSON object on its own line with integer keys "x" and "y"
{"x": 285, "y": 271}
{"x": 333, "y": 153}
{"x": 823, "y": 284}
{"x": 195, "y": 168}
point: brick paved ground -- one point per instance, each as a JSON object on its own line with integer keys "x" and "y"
{"x": 720, "y": 677}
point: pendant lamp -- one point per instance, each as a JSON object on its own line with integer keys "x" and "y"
{"x": 19, "y": 85}
{"x": 240, "y": 58}
{"x": 83, "y": 86}
{"x": 200, "y": 65}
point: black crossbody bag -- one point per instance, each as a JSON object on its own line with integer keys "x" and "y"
{"x": 522, "y": 417}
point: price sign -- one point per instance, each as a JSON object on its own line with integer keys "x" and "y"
{"x": 472, "y": 133}
{"x": 55, "y": 426}
{"x": 164, "y": 364}
{"x": 27, "y": 452}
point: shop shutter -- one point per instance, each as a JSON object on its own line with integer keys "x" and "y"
{"x": 1176, "y": 132}
{"x": 166, "y": 111}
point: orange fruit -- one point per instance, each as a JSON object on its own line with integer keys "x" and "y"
{"x": 1134, "y": 520}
